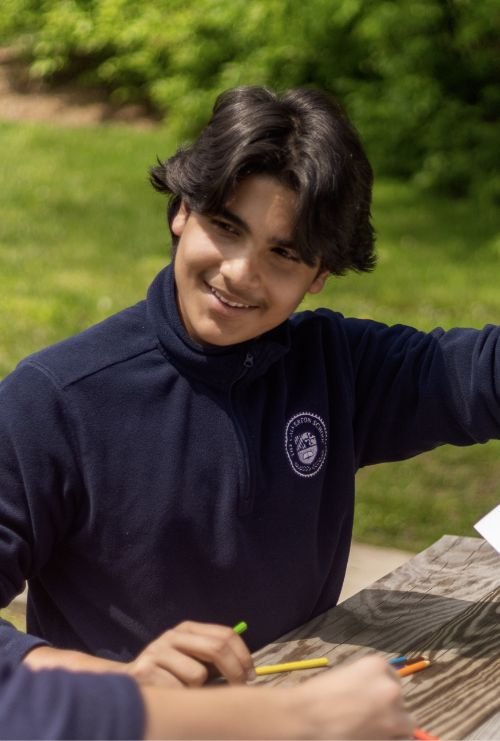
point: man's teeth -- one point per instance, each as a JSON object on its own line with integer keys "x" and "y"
{"x": 229, "y": 303}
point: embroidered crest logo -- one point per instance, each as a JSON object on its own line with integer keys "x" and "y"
{"x": 305, "y": 441}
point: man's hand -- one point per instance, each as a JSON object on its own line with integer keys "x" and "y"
{"x": 190, "y": 653}
{"x": 186, "y": 655}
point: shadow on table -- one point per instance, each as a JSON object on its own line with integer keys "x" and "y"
{"x": 404, "y": 622}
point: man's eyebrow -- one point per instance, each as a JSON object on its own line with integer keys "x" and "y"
{"x": 288, "y": 243}
{"x": 234, "y": 218}
{"x": 238, "y": 221}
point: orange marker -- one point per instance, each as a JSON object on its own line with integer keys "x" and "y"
{"x": 422, "y": 735}
{"x": 412, "y": 668}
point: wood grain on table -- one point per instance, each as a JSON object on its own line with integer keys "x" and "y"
{"x": 443, "y": 603}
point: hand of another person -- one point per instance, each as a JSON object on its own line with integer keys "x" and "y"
{"x": 359, "y": 700}
{"x": 189, "y": 653}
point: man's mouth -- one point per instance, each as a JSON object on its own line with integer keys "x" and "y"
{"x": 233, "y": 304}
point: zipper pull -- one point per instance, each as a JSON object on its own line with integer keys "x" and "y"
{"x": 247, "y": 364}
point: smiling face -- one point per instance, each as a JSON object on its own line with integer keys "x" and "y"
{"x": 237, "y": 272}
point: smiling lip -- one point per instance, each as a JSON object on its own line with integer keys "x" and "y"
{"x": 228, "y": 302}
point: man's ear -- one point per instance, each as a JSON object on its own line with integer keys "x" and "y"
{"x": 319, "y": 282}
{"x": 180, "y": 219}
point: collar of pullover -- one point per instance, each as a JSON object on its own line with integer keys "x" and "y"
{"x": 216, "y": 366}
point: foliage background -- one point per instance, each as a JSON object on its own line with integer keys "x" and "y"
{"x": 419, "y": 77}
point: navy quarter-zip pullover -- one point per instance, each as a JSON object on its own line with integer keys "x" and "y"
{"x": 146, "y": 480}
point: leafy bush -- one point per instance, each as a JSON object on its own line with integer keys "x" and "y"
{"x": 419, "y": 77}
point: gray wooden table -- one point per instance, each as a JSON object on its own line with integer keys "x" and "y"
{"x": 443, "y": 603}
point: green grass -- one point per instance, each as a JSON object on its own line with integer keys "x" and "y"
{"x": 15, "y": 614}
{"x": 81, "y": 231}
{"x": 82, "y": 234}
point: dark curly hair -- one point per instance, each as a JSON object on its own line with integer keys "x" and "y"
{"x": 304, "y": 139}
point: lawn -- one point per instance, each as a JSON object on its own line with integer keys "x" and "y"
{"x": 82, "y": 234}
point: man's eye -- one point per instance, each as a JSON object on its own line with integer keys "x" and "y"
{"x": 287, "y": 254}
{"x": 224, "y": 226}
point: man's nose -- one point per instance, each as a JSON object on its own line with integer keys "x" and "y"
{"x": 242, "y": 269}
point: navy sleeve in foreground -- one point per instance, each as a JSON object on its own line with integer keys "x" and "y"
{"x": 55, "y": 704}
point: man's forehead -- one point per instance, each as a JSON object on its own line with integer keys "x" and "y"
{"x": 264, "y": 196}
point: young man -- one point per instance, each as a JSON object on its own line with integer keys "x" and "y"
{"x": 359, "y": 700}
{"x": 193, "y": 457}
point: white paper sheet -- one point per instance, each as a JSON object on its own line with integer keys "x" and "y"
{"x": 489, "y": 527}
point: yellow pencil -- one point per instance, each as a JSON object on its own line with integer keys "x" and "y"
{"x": 291, "y": 666}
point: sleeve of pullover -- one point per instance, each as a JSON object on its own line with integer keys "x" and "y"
{"x": 39, "y": 485}
{"x": 415, "y": 391}
{"x": 65, "y": 705}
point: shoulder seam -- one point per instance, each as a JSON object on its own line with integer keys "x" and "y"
{"x": 48, "y": 372}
